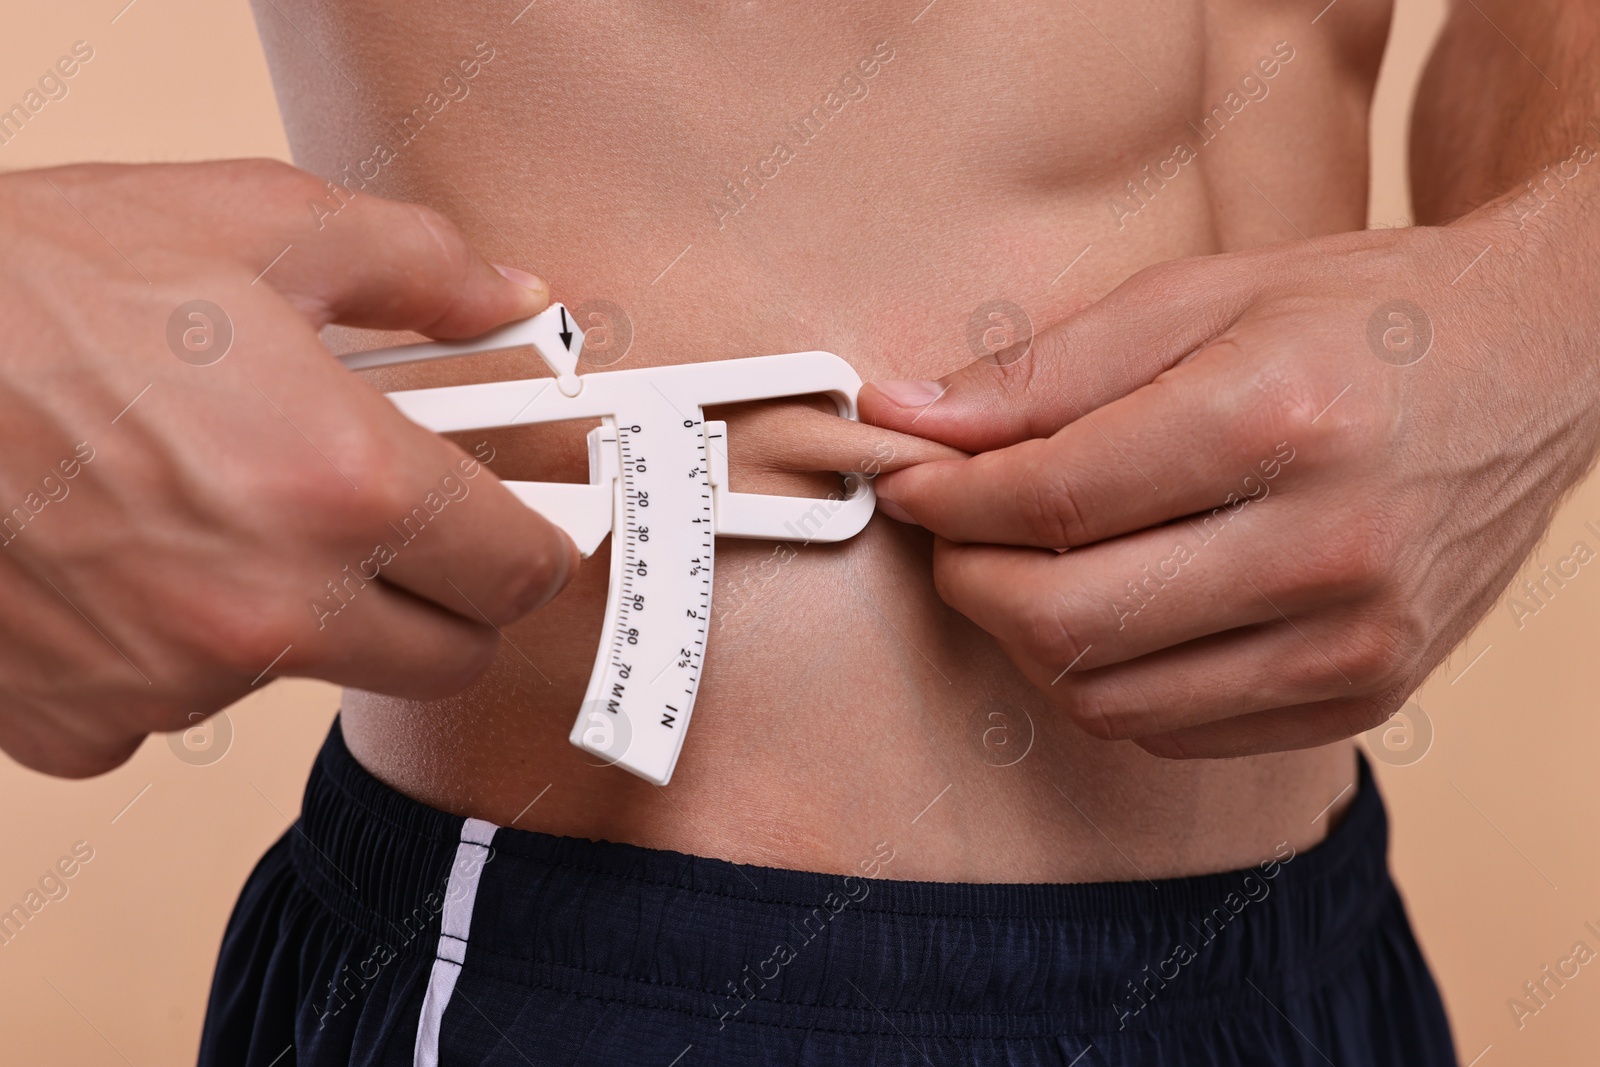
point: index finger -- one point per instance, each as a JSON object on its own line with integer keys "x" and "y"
{"x": 1146, "y": 325}
{"x": 1193, "y": 441}
{"x": 335, "y": 253}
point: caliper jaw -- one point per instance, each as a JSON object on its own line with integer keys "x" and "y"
{"x": 585, "y": 512}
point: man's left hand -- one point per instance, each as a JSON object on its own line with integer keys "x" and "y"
{"x": 1287, "y": 481}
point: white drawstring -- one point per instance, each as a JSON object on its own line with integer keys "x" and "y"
{"x": 455, "y": 924}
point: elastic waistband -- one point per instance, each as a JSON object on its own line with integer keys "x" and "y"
{"x": 732, "y": 941}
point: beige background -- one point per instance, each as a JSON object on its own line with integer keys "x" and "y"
{"x": 1495, "y": 827}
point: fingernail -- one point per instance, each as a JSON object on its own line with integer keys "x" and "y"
{"x": 567, "y": 566}
{"x": 911, "y": 394}
{"x": 895, "y": 511}
{"x": 573, "y": 561}
{"x": 527, "y": 281}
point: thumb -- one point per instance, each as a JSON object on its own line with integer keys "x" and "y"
{"x": 389, "y": 265}
{"x": 1036, "y": 386}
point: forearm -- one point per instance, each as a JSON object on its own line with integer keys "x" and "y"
{"x": 1511, "y": 88}
{"x": 1506, "y": 149}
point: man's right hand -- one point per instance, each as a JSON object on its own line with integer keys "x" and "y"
{"x": 177, "y": 528}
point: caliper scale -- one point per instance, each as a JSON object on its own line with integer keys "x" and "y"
{"x": 658, "y": 483}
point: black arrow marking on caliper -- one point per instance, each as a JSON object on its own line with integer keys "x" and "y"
{"x": 566, "y": 331}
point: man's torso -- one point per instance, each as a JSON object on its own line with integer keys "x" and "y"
{"x": 742, "y": 179}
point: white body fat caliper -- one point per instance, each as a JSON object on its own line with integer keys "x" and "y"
{"x": 658, "y": 482}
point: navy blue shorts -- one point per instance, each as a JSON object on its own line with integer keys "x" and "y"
{"x": 381, "y": 931}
